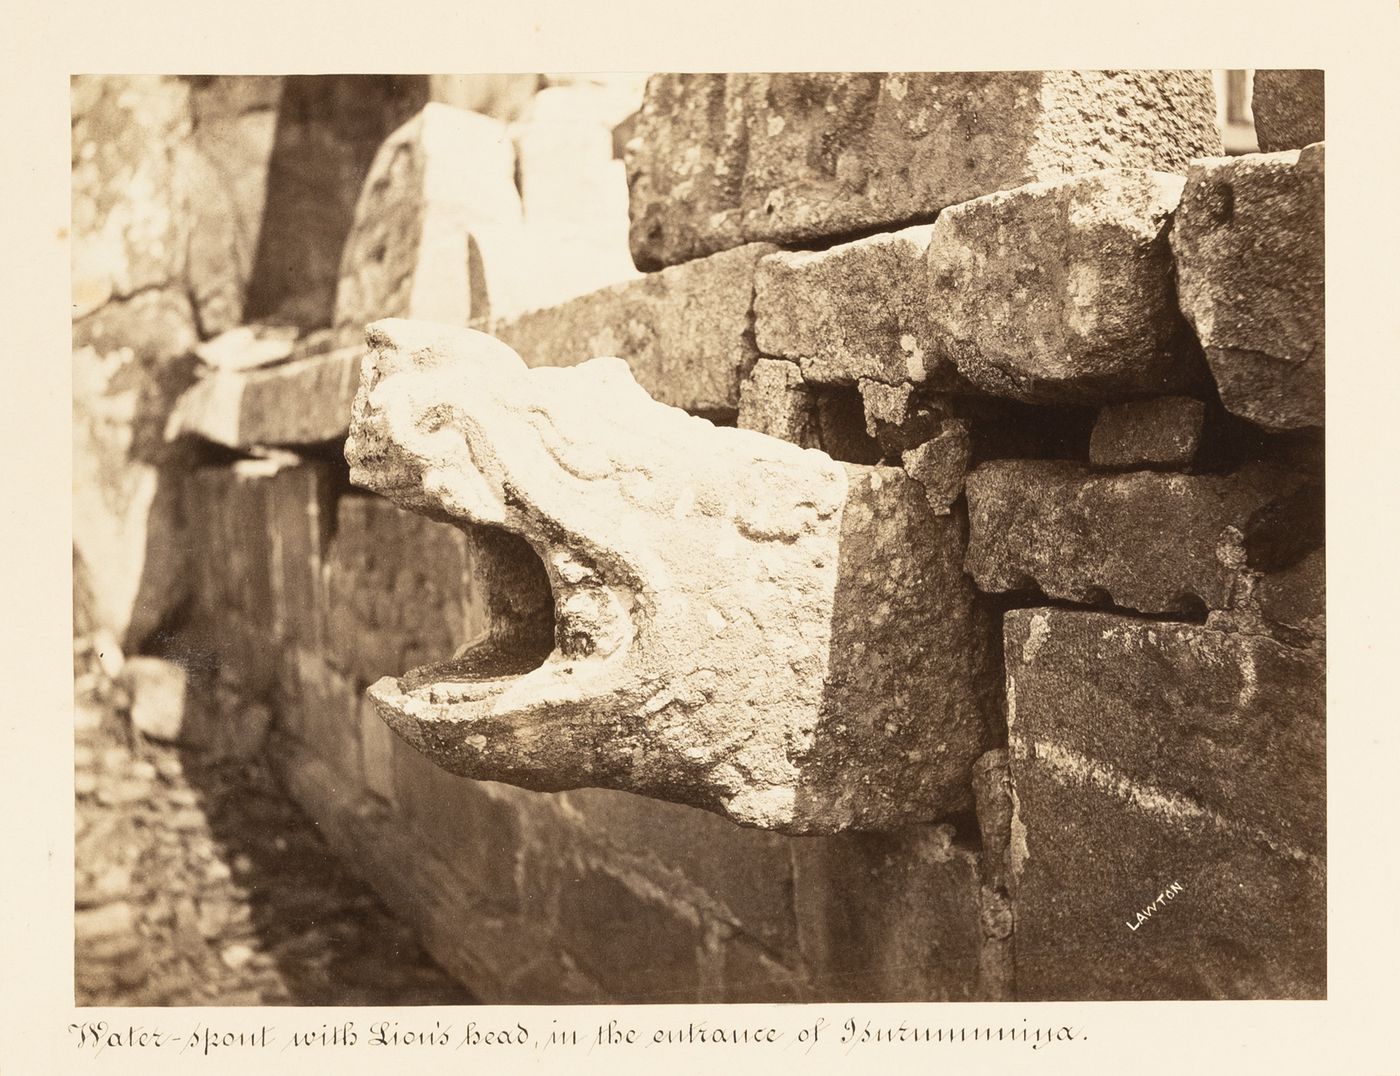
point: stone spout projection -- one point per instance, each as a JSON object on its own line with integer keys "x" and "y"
{"x": 741, "y": 624}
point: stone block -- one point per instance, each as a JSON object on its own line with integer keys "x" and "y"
{"x": 887, "y": 917}
{"x": 1163, "y": 432}
{"x": 127, "y": 525}
{"x": 321, "y": 707}
{"x": 437, "y": 227}
{"x": 686, "y": 332}
{"x": 223, "y": 169}
{"x": 1151, "y": 755}
{"x": 638, "y": 947}
{"x": 1296, "y": 596}
{"x": 302, "y": 402}
{"x": 573, "y": 189}
{"x": 1154, "y": 542}
{"x": 329, "y": 128}
{"x": 396, "y": 589}
{"x": 1248, "y": 242}
{"x": 232, "y": 542}
{"x": 722, "y": 160}
{"x": 469, "y": 825}
{"x": 1288, "y": 109}
{"x": 740, "y": 875}
{"x": 748, "y": 975}
{"x": 741, "y": 625}
{"x": 1061, "y": 292}
{"x": 856, "y": 310}
{"x": 377, "y": 753}
{"x": 128, "y": 236}
{"x": 157, "y": 689}
{"x": 776, "y": 401}
{"x": 940, "y": 464}
{"x": 301, "y": 514}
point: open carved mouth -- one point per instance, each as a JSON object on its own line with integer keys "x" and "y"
{"x": 547, "y": 616}
{"x": 675, "y": 609}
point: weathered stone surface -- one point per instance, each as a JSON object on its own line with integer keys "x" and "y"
{"x": 742, "y": 876}
{"x": 1145, "y": 754}
{"x": 437, "y": 225}
{"x": 940, "y": 465}
{"x": 132, "y": 324}
{"x": 157, "y": 688}
{"x": 1062, "y": 291}
{"x": 398, "y": 592}
{"x": 686, "y": 332}
{"x": 1164, "y": 432}
{"x": 128, "y": 235}
{"x": 1248, "y": 241}
{"x": 301, "y": 519}
{"x": 1288, "y": 109}
{"x": 1154, "y": 542}
{"x": 721, "y": 160}
{"x": 722, "y": 614}
{"x": 857, "y": 310}
{"x": 887, "y": 917}
{"x": 1296, "y": 597}
{"x": 301, "y": 402}
{"x": 329, "y": 128}
{"x": 573, "y": 189}
{"x": 127, "y": 530}
{"x": 223, "y": 169}
{"x": 776, "y": 401}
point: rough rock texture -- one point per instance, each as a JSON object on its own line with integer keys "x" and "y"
{"x": 1296, "y": 597}
{"x": 940, "y": 465}
{"x": 435, "y": 227}
{"x": 722, "y": 160}
{"x": 715, "y": 593}
{"x": 224, "y": 169}
{"x": 329, "y": 128}
{"x": 1062, "y": 291}
{"x": 1154, "y": 542}
{"x": 890, "y": 916}
{"x": 132, "y": 322}
{"x": 856, "y": 310}
{"x": 1163, "y": 432}
{"x": 1248, "y": 241}
{"x": 776, "y": 401}
{"x": 1147, "y": 754}
{"x": 1288, "y": 109}
{"x": 305, "y": 401}
{"x": 686, "y": 332}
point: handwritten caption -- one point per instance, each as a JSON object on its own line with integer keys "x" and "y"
{"x": 207, "y": 1040}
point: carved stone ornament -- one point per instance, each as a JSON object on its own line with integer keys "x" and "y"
{"x": 741, "y": 624}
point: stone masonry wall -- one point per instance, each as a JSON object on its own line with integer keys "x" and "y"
{"x": 1092, "y": 340}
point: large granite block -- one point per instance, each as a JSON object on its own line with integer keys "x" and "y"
{"x": 686, "y": 332}
{"x": 437, "y": 229}
{"x": 1061, "y": 292}
{"x": 722, "y": 160}
{"x": 888, "y": 917}
{"x": 1170, "y": 815}
{"x": 1248, "y": 242}
{"x": 1149, "y": 541}
{"x": 858, "y": 309}
{"x": 1288, "y": 109}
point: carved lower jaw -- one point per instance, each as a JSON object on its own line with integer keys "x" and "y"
{"x": 502, "y": 673}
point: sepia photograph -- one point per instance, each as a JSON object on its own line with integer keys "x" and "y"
{"x": 699, "y": 538}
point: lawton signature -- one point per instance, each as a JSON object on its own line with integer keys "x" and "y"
{"x": 1170, "y": 893}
